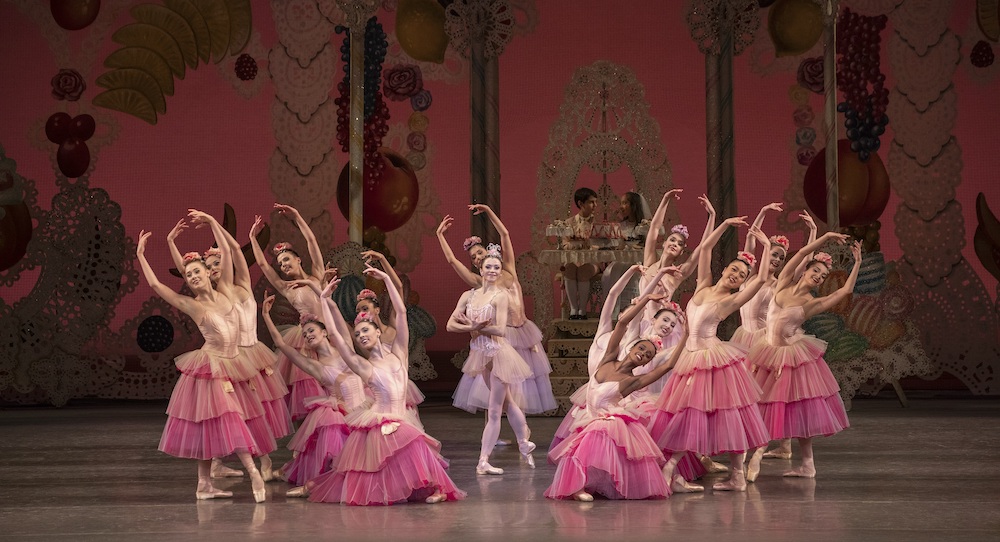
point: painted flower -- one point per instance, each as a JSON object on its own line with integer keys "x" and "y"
{"x": 416, "y": 141}
{"x": 421, "y": 101}
{"x": 810, "y": 75}
{"x": 805, "y": 137}
{"x": 798, "y": 95}
{"x": 418, "y": 122}
{"x": 68, "y": 85}
{"x": 402, "y": 81}
{"x": 805, "y": 155}
{"x": 803, "y": 116}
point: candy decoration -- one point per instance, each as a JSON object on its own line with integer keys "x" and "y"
{"x": 794, "y": 26}
{"x": 246, "y": 67}
{"x": 74, "y": 14}
{"x": 981, "y": 55}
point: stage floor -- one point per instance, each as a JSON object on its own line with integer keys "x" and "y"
{"x": 927, "y": 472}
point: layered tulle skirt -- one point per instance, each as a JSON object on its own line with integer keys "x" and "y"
{"x": 206, "y": 415}
{"x": 500, "y": 361}
{"x": 800, "y": 397}
{"x": 269, "y": 387}
{"x": 301, "y": 386}
{"x": 385, "y": 460}
{"x": 536, "y": 390}
{"x": 709, "y": 404}
{"x": 612, "y": 455}
{"x": 746, "y": 339}
{"x": 318, "y": 442}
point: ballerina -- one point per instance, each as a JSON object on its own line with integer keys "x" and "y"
{"x": 321, "y": 437}
{"x": 385, "y": 459}
{"x": 610, "y": 452}
{"x": 272, "y": 420}
{"x": 632, "y": 210}
{"x": 709, "y": 404}
{"x": 800, "y": 397}
{"x": 304, "y": 301}
{"x": 205, "y": 418}
{"x": 483, "y": 312}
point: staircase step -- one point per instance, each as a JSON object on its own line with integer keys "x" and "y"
{"x": 574, "y": 348}
{"x": 575, "y": 328}
{"x": 564, "y": 386}
{"x": 568, "y": 366}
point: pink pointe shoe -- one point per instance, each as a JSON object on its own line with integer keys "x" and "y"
{"x": 211, "y": 492}
{"x": 484, "y": 467}
{"x": 679, "y": 485}
{"x": 753, "y": 468}
{"x": 583, "y": 496}
{"x": 526, "y": 447}
{"x": 257, "y": 485}
{"x": 735, "y": 483}
{"x": 221, "y": 471}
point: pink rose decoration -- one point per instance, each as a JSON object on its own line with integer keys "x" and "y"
{"x": 401, "y": 82}
{"x": 803, "y": 116}
{"x": 805, "y": 137}
{"x": 416, "y": 141}
{"x": 68, "y": 85}
{"x": 805, "y": 155}
{"x": 810, "y": 74}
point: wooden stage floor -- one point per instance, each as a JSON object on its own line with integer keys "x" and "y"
{"x": 92, "y": 472}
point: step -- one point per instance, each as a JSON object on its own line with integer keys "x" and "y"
{"x": 568, "y": 366}
{"x": 564, "y": 386}
{"x": 574, "y": 348}
{"x": 575, "y": 328}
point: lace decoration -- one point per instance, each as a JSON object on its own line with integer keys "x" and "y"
{"x": 468, "y": 21}
{"x": 302, "y": 29}
{"x": 709, "y": 20}
{"x": 632, "y": 138}
{"x": 921, "y": 23}
{"x": 310, "y": 193}
{"x": 923, "y": 135}
{"x": 929, "y": 76}
{"x": 932, "y": 247}
{"x": 305, "y": 145}
{"x": 302, "y": 89}
{"x": 926, "y": 190}
{"x": 357, "y": 12}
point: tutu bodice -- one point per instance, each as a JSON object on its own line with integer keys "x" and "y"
{"x": 784, "y": 324}
{"x": 247, "y": 311}
{"x": 703, "y": 323}
{"x": 304, "y": 300}
{"x": 344, "y": 385}
{"x": 221, "y": 332}
{"x": 485, "y": 313}
{"x": 388, "y": 386}
{"x": 515, "y": 306}
{"x": 753, "y": 313}
{"x": 604, "y": 397}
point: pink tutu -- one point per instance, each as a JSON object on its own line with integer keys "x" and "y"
{"x": 801, "y": 398}
{"x": 318, "y": 441}
{"x": 385, "y": 460}
{"x": 613, "y": 456}
{"x": 301, "y": 385}
{"x": 746, "y": 339}
{"x": 504, "y": 362}
{"x": 579, "y": 402}
{"x": 537, "y": 390}
{"x": 709, "y": 404}
{"x": 270, "y": 387}
{"x": 205, "y": 416}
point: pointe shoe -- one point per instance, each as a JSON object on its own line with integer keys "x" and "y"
{"x": 213, "y": 493}
{"x": 526, "y": 447}
{"x": 485, "y": 468}
{"x": 297, "y": 492}
{"x": 259, "y": 495}
{"x": 436, "y": 498}
{"x": 735, "y": 483}
{"x": 679, "y": 485}
{"x": 221, "y": 471}
{"x": 712, "y": 466}
{"x": 583, "y": 496}
{"x": 753, "y": 468}
{"x": 804, "y": 471}
{"x": 271, "y": 474}
{"x": 778, "y": 453}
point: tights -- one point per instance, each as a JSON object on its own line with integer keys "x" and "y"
{"x": 500, "y": 393}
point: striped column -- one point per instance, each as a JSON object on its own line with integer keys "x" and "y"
{"x": 491, "y": 186}
{"x": 830, "y": 118}
{"x": 726, "y": 203}
{"x": 357, "y": 133}
{"x": 478, "y": 129}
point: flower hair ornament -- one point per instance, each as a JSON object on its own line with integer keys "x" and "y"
{"x": 366, "y": 294}
{"x": 747, "y": 258}
{"x": 192, "y": 257}
{"x": 214, "y": 251}
{"x": 471, "y": 242}
{"x": 364, "y": 317}
{"x": 282, "y": 247}
{"x": 307, "y": 318}
{"x": 824, "y": 258}
{"x": 781, "y": 241}
{"x": 680, "y": 229}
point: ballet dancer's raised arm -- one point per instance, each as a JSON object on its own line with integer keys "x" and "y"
{"x": 469, "y": 277}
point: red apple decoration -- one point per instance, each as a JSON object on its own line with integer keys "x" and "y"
{"x": 73, "y": 157}
{"x": 74, "y": 14}
{"x": 863, "y": 186}
{"x": 389, "y": 200}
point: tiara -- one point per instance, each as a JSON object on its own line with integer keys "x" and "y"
{"x": 747, "y": 258}
{"x": 780, "y": 240}
{"x": 364, "y": 316}
{"x": 681, "y": 230}
{"x": 214, "y": 251}
{"x": 471, "y": 242}
{"x": 366, "y": 294}
{"x": 282, "y": 247}
{"x": 307, "y": 318}
{"x": 192, "y": 257}
{"x": 493, "y": 250}
{"x": 824, "y": 258}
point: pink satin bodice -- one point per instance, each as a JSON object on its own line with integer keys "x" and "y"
{"x": 784, "y": 324}
{"x": 247, "y": 311}
{"x": 703, "y": 324}
{"x": 221, "y": 332}
{"x": 753, "y": 313}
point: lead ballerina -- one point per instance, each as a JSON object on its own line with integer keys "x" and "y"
{"x": 709, "y": 404}
{"x": 385, "y": 460}
{"x": 801, "y": 398}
